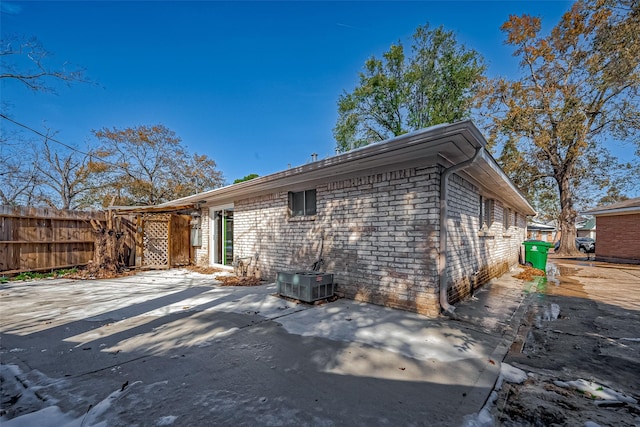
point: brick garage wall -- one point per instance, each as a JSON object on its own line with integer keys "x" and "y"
{"x": 474, "y": 259}
{"x": 378, "y": 235}
{"x": 618, "y": 237}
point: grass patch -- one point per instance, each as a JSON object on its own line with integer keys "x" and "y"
{"x": 33, "y": 275}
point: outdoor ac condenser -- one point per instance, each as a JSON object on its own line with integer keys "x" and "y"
{"x": 307, "y": 286}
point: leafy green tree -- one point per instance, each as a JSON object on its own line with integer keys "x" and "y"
{"x": 400, "y": 93}
{"x": 246, "y": 178}
{"x": 150, "y": 166}
{"x": 578, "y": 91}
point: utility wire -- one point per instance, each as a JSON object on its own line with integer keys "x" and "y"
{"x": 48, "y": 138}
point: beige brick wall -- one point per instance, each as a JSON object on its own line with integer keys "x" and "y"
{"x": 474, "y": 259}
{"x": 201, "y": 253}
{"x": 379, "y": 235}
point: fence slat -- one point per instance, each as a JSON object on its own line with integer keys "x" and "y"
{"x": 34, "y": 239}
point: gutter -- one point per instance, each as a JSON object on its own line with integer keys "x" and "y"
{"x": 615, "y": 211}
{"x": 447, "y": 308}
{"x": 353, "y": 160}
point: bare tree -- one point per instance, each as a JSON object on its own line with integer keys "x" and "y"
{"x": 71, "y": 177}
{"x": 25, "y": 60}
{"x": 18, "y": 176}
{"x": 151, "y": 166}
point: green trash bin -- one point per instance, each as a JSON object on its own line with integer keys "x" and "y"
{"x": 535, "y": 253}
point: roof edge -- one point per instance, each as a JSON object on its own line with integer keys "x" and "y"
{"x": 613, "y": 211}
{"x": 389, "y": 145}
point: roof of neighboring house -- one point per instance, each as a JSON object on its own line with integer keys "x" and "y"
{"x": 540, "y": 226}
{"x": 446, "y": 144}
{"x": 629, "y": 206}
{"x": 587, "y": 224}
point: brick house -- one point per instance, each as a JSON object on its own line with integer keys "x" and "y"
{"x": 539, "y": 231}
{"x": 618, "y": 227}
{"x": 415, "y": 222}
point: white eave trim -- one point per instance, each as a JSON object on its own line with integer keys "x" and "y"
{"x": 526, "y": 207}
{"x": 454, "y": 142}
{"x": 617, "y": 211}
{"x": 449, "y": 135}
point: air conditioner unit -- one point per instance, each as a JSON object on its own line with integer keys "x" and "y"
{"x": 307, "y": 286}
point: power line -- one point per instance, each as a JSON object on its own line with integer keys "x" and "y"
{"x": 48, "y": 138}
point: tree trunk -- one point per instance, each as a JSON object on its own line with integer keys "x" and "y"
{"x": 567, "y": 220}
{"x": 106, "y": 258}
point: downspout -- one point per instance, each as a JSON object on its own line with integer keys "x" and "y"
{"x": 444, "y": 214}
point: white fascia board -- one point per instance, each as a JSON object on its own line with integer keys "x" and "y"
{"x": 539, "y": 226}
{"x": 457, "y": 141}
{"x": 618, "y": 211}
{"x": 454, "y": 143}
{"x": 488, "y": 175}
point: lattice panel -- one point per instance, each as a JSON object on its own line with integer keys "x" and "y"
{"x": 156, "y": 241}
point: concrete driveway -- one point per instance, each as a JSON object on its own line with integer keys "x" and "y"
{"x": 579, "y": 345}
{"x": 175, "y": 348}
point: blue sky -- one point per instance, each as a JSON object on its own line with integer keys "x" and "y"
{"x": 253, "y": 85}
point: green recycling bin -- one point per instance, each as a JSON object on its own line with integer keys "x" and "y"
{"x": 535, "y": 253}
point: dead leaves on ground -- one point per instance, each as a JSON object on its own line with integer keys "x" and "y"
{"x": 87, "y": 274}
{"x": 204, "y": 270}
{"x": 225, "y": 280}
{"x": 529, "y": 273}
{"x": 238, "y": 281}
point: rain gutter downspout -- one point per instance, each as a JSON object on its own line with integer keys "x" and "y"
{"x": 444, "y": 213}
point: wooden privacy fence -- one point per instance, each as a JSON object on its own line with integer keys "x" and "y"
{"x": 34, "y": 239}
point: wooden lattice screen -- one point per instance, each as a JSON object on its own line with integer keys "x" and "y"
{"x": 156, "y": 240}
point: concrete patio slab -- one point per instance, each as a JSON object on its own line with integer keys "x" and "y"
{"x": 174, "y": 347}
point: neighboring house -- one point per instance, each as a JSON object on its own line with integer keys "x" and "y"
{"x": 540, "y": 231}
{"x": 415, "y": 222}
{"x": 586, "y": 227}
{"x": 618, "y": 231}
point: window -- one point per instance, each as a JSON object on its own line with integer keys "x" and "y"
{"x": 506, "y": 218}
{"x": 302, "y": 203}
{"x": 486, "y": 213}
